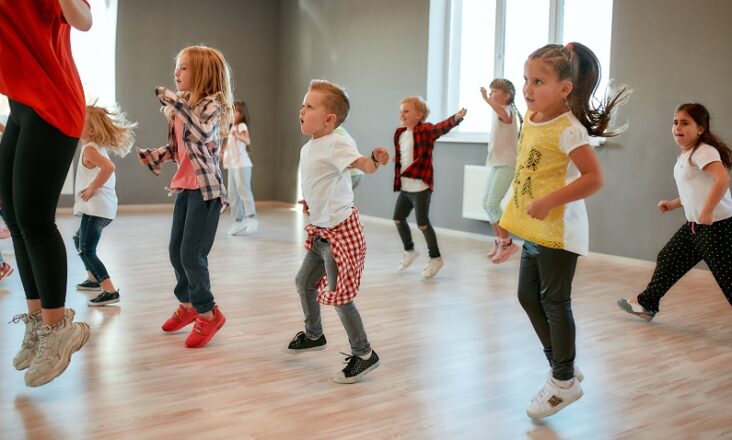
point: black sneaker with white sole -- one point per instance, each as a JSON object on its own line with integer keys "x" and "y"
{"x": 301, "y": 343}
{"x": 356, "y": 368}
{"x": 104, "y": 298}
{"x": 89, "y": 285}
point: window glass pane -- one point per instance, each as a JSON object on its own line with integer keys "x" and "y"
{"x": 527, "y": 29}
{"x": 590, "y": 23}
{"x": 94, "y": 53}
{"x": 477, "y": 38}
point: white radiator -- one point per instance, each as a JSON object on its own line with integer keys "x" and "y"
{"x": 474, "y": 182}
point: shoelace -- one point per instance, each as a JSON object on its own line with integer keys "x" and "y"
{"x": 29, "y": 333}
{"x": 349, "y": 358}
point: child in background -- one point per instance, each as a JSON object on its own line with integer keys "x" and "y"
{"x": 501, "y": 161}
{"x": 96, "y": 199}
{"x": 702, "y": 180}
{"x": 414, "y": 143}
{"x": 331, "y": 271}
{"x": 236, "y": 159}
{"x": 198, "y": 116}
{"x": 556, "y": 170}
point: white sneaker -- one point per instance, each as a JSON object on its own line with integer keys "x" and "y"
{"x": 237, "y": 227}
{"x": 552, "y": 399}
{"x": 55, "y": 347}
{"x": 252, "y": 224}
{"x": 577, "y": 375}
{"x": 33, "y": 323}
{"x": 407, "y": 259}
{"x": 433, "y": 266}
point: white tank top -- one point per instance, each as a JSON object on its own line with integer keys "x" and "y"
{"x": 104, "y": 201}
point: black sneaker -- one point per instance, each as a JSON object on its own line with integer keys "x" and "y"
{"x": 301, "y": 343}
{"x": 104, "y": 298}
{"x": 357, "y": 368}
{"x": 89, "y": 285}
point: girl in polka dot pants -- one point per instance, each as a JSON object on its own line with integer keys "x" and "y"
{"x": 702, "y": 178}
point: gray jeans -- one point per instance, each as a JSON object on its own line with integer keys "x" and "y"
{"x": 319, "y": 261}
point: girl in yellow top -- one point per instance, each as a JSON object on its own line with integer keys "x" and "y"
{"x": 555, "y": 170}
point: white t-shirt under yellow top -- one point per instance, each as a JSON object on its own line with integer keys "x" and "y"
{"x": 406, "y": 149}
{"x": 502, "y": 146}
{"x": 695, "y": 184}
{"x": 543, "y": 166}
{"x": 325, "y": 178}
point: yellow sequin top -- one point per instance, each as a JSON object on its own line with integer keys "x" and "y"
{"x": 543, "y": 166}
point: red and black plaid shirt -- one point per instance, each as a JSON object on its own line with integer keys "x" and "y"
{"x": 425, "y": 135}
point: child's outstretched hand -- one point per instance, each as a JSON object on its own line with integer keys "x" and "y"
{"x": 484, "y": 92}
{"x": 460, "y": 114}
{"x": 667, "y": 205}
{"x": 141, "y": 158}
{"x": 381, "y": 155}
{"x": 305, "y": 207}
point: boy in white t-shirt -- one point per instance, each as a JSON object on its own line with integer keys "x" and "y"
{"x": 331, "y": 271}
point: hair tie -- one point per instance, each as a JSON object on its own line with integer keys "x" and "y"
{"x": 569, "y": 47}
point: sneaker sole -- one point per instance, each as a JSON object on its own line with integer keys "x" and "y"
{"x": 89, "y": 289}
{"x": 626, "y": 307}
{"x": 102, "y": 303}
{"x": 206, "y": 341}
{"x": 427, "y": 276}
{"x": 285, "y": 349}
{"x": 557, "y": 408}
{"x": 356, "y": 378}
{"x": 65, "y": 358}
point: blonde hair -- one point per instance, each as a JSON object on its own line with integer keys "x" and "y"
{"x": 110, "y": 129}
{"x": 211, "y": 76}
{"x": 419, "y": 104}
{"x": 335, "y": 100}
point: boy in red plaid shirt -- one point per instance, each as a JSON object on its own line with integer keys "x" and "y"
{"x": 414, "y": 142}
{"x": 331, "y": 271}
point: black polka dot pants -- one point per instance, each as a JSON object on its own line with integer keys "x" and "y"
{"x": 691, "y": 244}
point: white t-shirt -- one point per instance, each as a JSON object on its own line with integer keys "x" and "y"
{"x": 104, "y": 201}
{"x": 235, "y": 155}
{"x": 406, "y": 151}
{"x": 503, "y": 145}
{"x": 695, "y": 184}
{"x": 325, "y": 178}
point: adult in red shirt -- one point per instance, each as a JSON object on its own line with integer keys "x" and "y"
{"x": 39, "y": 77}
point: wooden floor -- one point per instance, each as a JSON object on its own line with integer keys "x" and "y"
{"x": 459, "y": 358}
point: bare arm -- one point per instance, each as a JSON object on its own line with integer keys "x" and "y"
{"x": 503, "y": 115}
{"x": 77, "y": 14}
{"x": 589, "y": 181}
{"x": 669, "y": 205}
{"x": 243, "y": 136}
{"x": 93, "y": 159}
{"x": 719, "y": 188}
{"x": 380, "y": 156}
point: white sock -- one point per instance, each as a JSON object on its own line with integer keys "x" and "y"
{"x": 367, "y": 356}
{"x": 563, "y": 384}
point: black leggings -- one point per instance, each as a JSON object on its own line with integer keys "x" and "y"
{"x": 34, "y": 160}
{"x": 691, "y": 244}
{"x": 420, "y": 201}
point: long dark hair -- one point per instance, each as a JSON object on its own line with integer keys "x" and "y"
{"x": 577, "y": 63}
{"x": 241, "y": 107}
{"x": 700, "y": 115}
{"x": 507, "y": 86}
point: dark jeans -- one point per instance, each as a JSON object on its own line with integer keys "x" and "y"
{"x": 34, "y": 160}
{"x": 86, "y": 240}
{"x": 420, "y": 201}
{"x": 544, "y": 290}
{"x": 691, "y": 244}
{"x": 191, "y": 238}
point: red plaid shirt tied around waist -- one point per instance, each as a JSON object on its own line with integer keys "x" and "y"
{"x": 349, "y": 252}
{"x": 425, "y": 135}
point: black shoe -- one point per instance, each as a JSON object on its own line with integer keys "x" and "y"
{"x": 357, "y": 368}
{"x": 301, "y": 343}
{"x": 89, "y": 285}
{"x": 104, "y": 298}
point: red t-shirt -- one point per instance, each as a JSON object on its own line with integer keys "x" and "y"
{"x": 36, "y": 66}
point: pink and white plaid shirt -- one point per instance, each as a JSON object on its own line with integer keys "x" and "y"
{"x": 349, "y": 252}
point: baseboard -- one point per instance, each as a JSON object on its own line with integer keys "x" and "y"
{"x": 443, "y": 231}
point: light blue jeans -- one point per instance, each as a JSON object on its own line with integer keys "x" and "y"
{"x": 240, "y": 193}
{"x": 499, "y": 179}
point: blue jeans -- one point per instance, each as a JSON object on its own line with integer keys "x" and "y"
{"x": 191, "y": 238}
{"x": 86, "y": 240}
{"x": 319, "y": 261}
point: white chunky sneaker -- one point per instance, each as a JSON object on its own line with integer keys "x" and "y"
{"x": 55, "y": 346}
{"x": 22, "y": 359}
{"x": 407, "y": 259}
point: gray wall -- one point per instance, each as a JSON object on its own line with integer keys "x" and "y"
{"x": 668, "y": 55}
{"x": 149, "y": 36}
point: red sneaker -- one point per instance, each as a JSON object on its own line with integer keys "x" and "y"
{"x": 179, "y": 319}
{"x": 204, "y": 329}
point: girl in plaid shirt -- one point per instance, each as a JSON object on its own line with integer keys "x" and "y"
{"x": 198, "y": 116}
{"x": 414, "y": 142}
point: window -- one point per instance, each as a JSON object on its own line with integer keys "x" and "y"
{"x": 474, "y": 41}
